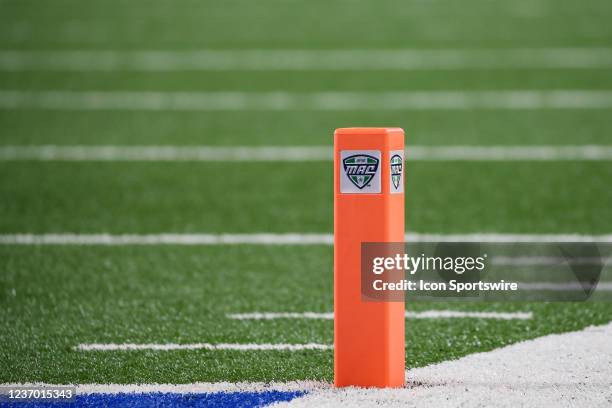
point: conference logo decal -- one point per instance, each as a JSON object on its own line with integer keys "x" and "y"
{"x": 396, "y": 170}
{"x": 396, "y": 167}
{"x": 360, "y": 169}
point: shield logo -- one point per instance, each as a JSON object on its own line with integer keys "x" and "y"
{"x": 360, "y": 169}
{"x": 396, "y": 170}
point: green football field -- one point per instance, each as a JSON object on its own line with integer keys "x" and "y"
{"x": 55, "y": 297}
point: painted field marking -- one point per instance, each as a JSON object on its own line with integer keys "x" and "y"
{"x": 277, "y": 238}
{"x": 307, "y": 60}
{"x": 200, "y": 346}
{"x": 428, "y": 314}
{"x": 297, "y": 153}
{"x": 559, "y": 369}
{"x": 167, "y": 239}
{"x": 569, "y": 369}
{"x": 222, "y": 394}
{"x": 508, "y": 238}
{"x": 451, "y": 314}
{"x": 168, "y": 153}
{"x": 190, "y": 388}
{"x": 316, "y": 101}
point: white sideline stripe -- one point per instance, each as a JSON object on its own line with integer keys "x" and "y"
{"x": 201, "y": 346}
{"x": 569, "y": 369}
{"x": 276, "y": 239}
{"x": 305, "y": 60}
{"x": 296, "y": 153}
{"x": 428, "y": 314}
{"x": 192, "y": 388}
{"x": 317, "y": 101}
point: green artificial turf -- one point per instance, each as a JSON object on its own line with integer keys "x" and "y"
{"x": 310, "y": 81}
{"x": 53, "y": 298}
{"x": 306, "y": 24}
{"x": 443, "y": 197}
{"x": 300, "y": 128}
{"x": 182, "y": 295}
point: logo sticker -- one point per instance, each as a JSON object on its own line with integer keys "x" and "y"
{"x": 360, "y": 171}
{"x": 397, "y": 169}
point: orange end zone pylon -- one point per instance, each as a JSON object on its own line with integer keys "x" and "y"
{"x": 369, "y": 337}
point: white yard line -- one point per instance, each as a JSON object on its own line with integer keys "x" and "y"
{"x": 428, "y": 314}
{"x": 570, "y": 369}
{"x": 306, "y": 60}
{"x": 171, "y": 153}
{"x": 317, "y": 101}
{"x": 201, "y": 346}
{"x": 509, "y": 238}
{"x": 276, "y": 238}
{"x": 280, "y": 315}
{"x": 508, "y": 153}
{"x": 167, "y": 239}
{"x": 297, "y": 153}
{"x": 451, "y": 314}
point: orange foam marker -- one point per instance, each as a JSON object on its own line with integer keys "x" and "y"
{"x": 369, "y": 337}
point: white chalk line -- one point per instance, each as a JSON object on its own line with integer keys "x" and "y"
{"x": 316, "y": 101}
{"x": 569, "y": 369}
{"x": 167, "y": 239}
{"x": 170, "y": 153}
{"x": 307, "y": 60}
{"x": 277, "y": 238}
{"x": 507, "y": 238}
{"x": 201, "y": 346}
{"x": 297, "y": 153}
{"x": 428, "y": 314}
{"x": 431, "y": 314}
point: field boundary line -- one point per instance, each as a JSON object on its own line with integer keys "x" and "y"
{"x": 307, "y": 60}
{"x": 276, "y": 238}
{"x": 95, "y": 100}
{"x": 567, "y": 369}
{"x": 296, "y": 153}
